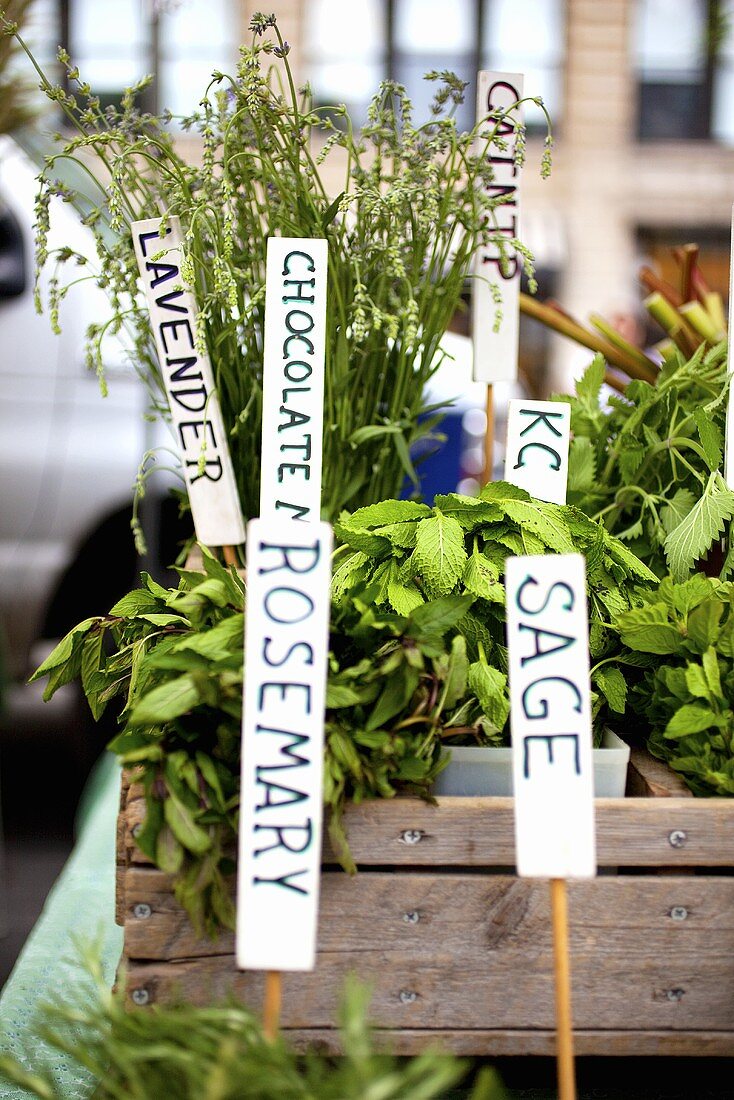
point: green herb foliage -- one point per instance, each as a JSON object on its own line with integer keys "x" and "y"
{"x": 417, "y": 660}
{"x": 647, "y": 464}
{"x": 682, "y": 636}
{"x": 220, "y": 1053}
{"x": 413, "y": 204}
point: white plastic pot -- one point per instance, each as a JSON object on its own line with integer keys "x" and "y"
{"x": 482, "y": 770}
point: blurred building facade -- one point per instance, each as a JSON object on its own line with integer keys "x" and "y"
{"x": 640, "y": 93}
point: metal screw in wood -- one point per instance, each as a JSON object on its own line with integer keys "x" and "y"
{"x": 407, "y": 996}
{"x": 678, "y": 912}
{"x": 412, "y": 917}
{"x": 142, "y": 910}
{"x": 677, "y": 838}
{"x": 140, "y": 996}
{"x": 411, "y": 836}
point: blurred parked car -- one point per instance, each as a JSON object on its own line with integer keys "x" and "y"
{"x": 68, "y": 463}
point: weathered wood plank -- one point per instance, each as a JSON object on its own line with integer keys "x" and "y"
{"x": 625, "y": 984}
{"x": 499, "y": 1044}
{"x": 479, "y": 832}
{"x": 651, "y": 778}
{"x": 465, "y": 914}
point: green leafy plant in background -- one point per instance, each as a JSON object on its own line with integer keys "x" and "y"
{"x": 414, "y": 204}
{"x": 647, "y": 463}
{"x": 417, "y": 660}
{"x": 682, "y": 637}
{"x": 220, "y": 1053}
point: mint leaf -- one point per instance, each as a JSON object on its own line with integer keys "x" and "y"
{"x": 546, "y": 524}
{"x": 647, "y": 628}
{"x": 705, "y": 523}
{"x": 613, "y": 687}
{"x": 482, "y": 579}
{"x": 386, "y": 512}
{"x": 439, "y": 553}
{"x": 691, "y": 718}
{"x": 490, "y": 687}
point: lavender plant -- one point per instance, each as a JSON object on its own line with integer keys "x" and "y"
{"x": 415, "y": 204}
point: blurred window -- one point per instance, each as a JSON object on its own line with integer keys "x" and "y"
{"x": 180, "y": 41}
{"x": 351, "y": 47}
{"x": 684, "y": 53}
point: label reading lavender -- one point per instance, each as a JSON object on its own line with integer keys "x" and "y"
{"x": 498, "y": 265}
{"x": 536, "y": 455}
{"x": 550, "y": 715}
{"x": 293, "y": 378}
{"x": 280, "y": 827}
{"x": 189, "y": 382}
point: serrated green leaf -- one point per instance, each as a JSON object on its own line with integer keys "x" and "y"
{"x": 439, "y": 554}
{"x": 548, "y": 525}
{"x": 64, "y": 650}
{"x": 648, "y": 629}
{"x": 613, "y": 687}
{"x": 384, "y": 513}
{"x": 404, "y": 598}
{"x": 703, "y": 624}
{"x": 454, "y": 672}
{"x": 490, "y": 687}
{"x": 676, "y": 510}
{"x": 500, "y": 491}
{"x": 581, "y": 464}
{"x": 710, "y": 436}
{"x": 343, "y": 575}
{"x": 482, "y": 579}
{"x": 588, "y": 386}
{"x": 705, "y": 523}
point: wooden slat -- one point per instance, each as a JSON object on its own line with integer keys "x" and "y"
{"x": 620, "y": 983}
{"x": 479, "y": 832}
{"x": 500, "y": 1044}
{"x": 468, "y": 915}
{"x": 651, "y": 778}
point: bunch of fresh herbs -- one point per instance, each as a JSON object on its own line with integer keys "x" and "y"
{"x": 417, "y": 660}
{"x": 647, "y": 463}
{"x": 681, "y": 635}
{"x": 220, "y": 1053}
{"x": 414, "y": 205}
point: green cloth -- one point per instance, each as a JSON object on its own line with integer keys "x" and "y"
{"x": 80, "y": 903}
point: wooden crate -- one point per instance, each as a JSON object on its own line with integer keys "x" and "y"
{"x": 459, "y": 949}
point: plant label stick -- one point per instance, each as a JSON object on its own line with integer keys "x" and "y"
{"x": 293, "y": 378}
{"x": 189, "y": 383}
{"x": 497, "y": 267}
{"x": 536, "y": 455}
{"x": 286, "y": 648}
{"x": 550, "y": 720}
{"x": 729, "y": 432}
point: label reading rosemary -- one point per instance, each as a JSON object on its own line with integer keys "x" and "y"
{"x": 293, "y": 378}
{"x": 550, "y": 715}
{"x": 536, "y": 455}
{"x": 189, "y": 383}
{"x": 497, "y": 267}
{"x": 280, "y": 827}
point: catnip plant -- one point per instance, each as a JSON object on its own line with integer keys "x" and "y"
{"x": 415, "y": 203}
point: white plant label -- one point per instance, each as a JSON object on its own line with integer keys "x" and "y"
{"x": 550, "y": 716}
{"x": 293, "y": 378}
{"x": 729, "y": 431}
{"x": 498, "y": 265}
{"x": 536, "y": 455}
{"x": 189, "y": 382}
{"x": 280, "y": 827}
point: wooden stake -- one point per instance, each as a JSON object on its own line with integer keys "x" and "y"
{"x": 273, "y": 999}
{"x": 489, "y": 438}
{"x": 230, "y": 555}
{"x": 564, "y": 1027}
